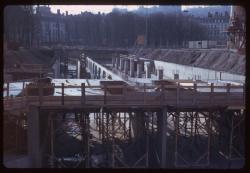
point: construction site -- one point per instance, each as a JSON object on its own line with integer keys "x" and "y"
{"x": 119, "y": 108}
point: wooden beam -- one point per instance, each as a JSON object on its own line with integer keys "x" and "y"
{"x": 62, "y": 94}
{"x": 83, "y": 96}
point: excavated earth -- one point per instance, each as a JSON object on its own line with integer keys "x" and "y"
{"x": 214, "y": 59}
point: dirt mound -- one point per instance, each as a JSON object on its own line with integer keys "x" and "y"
{"x": 215, "y": 59}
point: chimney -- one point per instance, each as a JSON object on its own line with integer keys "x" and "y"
{"x": 58, "y": 11}
{"x": 67, "y": 13}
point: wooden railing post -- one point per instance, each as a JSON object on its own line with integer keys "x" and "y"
{"x": 105, "y": 94}
{"x": 124, "y": 89}
{"x": 144, "y": 93}
{"x": 40, "y": 93}
{"x": 243, "y": 92}
{"x": 62, "y": 93}
{"x": 26, "y": 93}
{"x": 83, "y": 93}
{"x": 195, "y": 93}
{"x": 8, "y": 90}
{"x": 211, "y": 93}
{"x": 228, "y": 93}
{"x": 23, "y": 90}
{"x": 178, "y": 94}
{"x": 162, "y": 93}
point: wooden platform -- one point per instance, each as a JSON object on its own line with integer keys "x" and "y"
{"x": 147, "y": 98}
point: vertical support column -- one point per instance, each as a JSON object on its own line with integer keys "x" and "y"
{"x": 105, "y": 95}
{"x": 52, "y": 154}
{"x": 163, "y": 130}
{"x": 79, "y": 69}
{"x": 126, "y": 66}
{"x": 88, "y": 132}
{"x": 96, "y": 71}
{"x": 122, "y": 60}
{"x": 210, "y": 116}
{"x": 211, "y": 94}
{"x": 8, "y": 90}
{"x": 178, "y": 94}
{"x": 34, "y": 148}
{"x": 194, "y": 93}
{"x": 117, "y": 63}
{"x": 40, "y": 93}
{"x": 62, "y": 93}
{"x": 160, "y": 74}
{"x": 120, "y": 64}
{"x": 83, "y": 93}
{"x": 113, "y": 62}
{"x": 149, "y": 70}
{"x": 93, "y": 68}
{"x": 113, "y": 140}
{"x": 176, "y": 122}
{"x": 99, "y": 73}
{"x": 228, "y": 93}
{"x": 132, "y": 68}
{"x": 139, "y": 69}
{"x": 128, "y": 61}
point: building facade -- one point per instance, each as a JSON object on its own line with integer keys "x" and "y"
{"x": 50, "y": 28}
{"x": 216, "y": 25}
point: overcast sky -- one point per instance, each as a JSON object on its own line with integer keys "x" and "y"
{"x": 77, "y": 9}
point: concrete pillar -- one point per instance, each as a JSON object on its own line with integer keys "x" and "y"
{"x": 160, "y": 74}
{"x": 95, "y": 71}
{"x": 117, "y": 63}
{"x": 113, "y": 62}
{"x": 132, "y": 68}
{"x": 121, "y": 64}
{"x": 104, "y": 74}
{"x": 99, "y": 73}
{"x": 149, "y": 70}
{"x": 152, "y": 64}
{"x": 34, "y": 147}
{"x": 88, "y": 64}
{"x": 78, "y": 69}
{"x": 126, "y": 66}
{"x": 139, "y": 69}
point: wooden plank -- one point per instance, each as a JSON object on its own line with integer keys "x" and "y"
{"x": 83, "y": 96}
{"x": 178, "y": 94}
{"x": 105, "y": 95}
{"x": 62, "y": 94}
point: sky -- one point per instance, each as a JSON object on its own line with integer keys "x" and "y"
{"x": 77, "y": 9}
